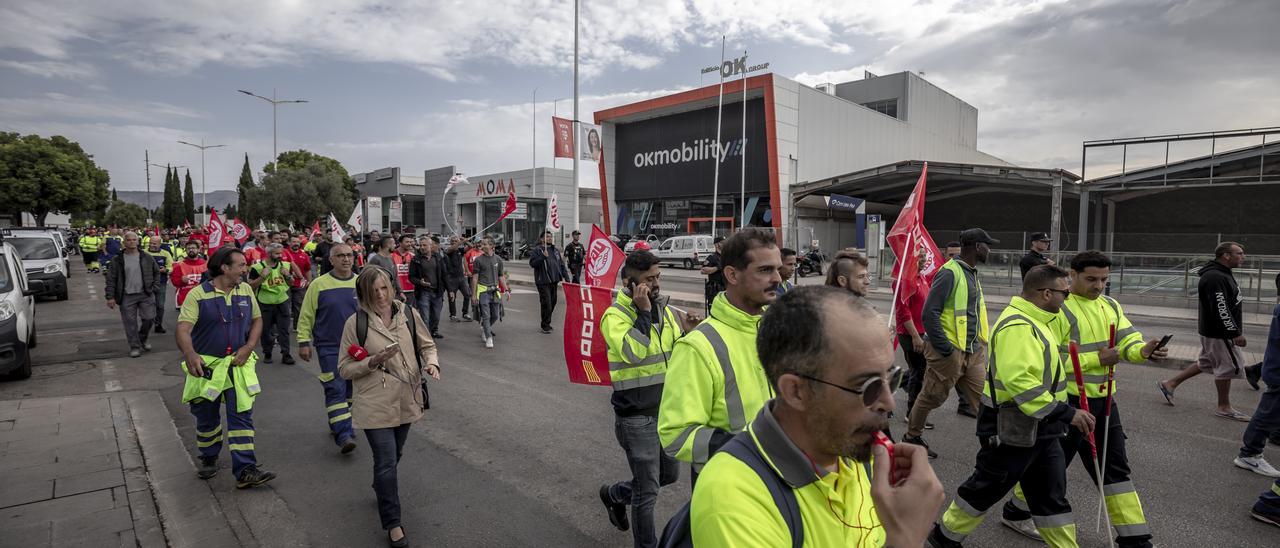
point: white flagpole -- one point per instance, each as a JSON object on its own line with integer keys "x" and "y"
{"x": 897, "y": 284}
{"x": 575, "y": 116}
{"x": 743, "y": 221}
{"x": 715, "y": 185}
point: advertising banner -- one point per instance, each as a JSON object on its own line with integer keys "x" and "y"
{"x": 562, "y": 129}
{"x": 375, "y": 213}
{"x": 585, "y": 354}
{"x": 591, "y": 139}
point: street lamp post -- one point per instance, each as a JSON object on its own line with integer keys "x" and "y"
{"x": 204, "y": 198}
{"x": 275, "y": 153}
{"x": 149, "y": 166}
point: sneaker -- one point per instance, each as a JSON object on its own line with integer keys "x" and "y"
{"x": 617, "y": 512}
{"x": 1265, "y": 513}
{"x": 1252, "y": 374}
{"x": 453, "y": 319}
{"x": 253, "y": 477}
{"x": 348, "y": 446}
{"x": 135, "y": 353}
{"x": 488, "y": 343}
{"x": 437, "y": 335}
{"x": 937, "y": 540}
{"x": 159, "y": 328}
{"x": 1257, "y": 465}
{"x": 266, "y": 358}
{"x": 208, "y": 467}
{"x": 920, "y": 441}
{"x": 546, "y": 330}
{"x": 1024, "y": 527}
{"x": 146, "y": 346}
{"x": 287, "y": 360}
{"x": 466, "y": 318}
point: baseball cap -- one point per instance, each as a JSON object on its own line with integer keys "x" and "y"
{"x": 1040, "y": 237}
{"x": 971, "y": 236}
{"x": 642, "y": 246}
{"x": 953, "y": 243}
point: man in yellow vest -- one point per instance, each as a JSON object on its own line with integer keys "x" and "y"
{"x": 218, "y": 328}
{"x": 1090, "y": 317}
{"x": 640, "y": 331}
{"x": 714, "y": 382}
{"x": 90, "y": 245}
{"x": 802, "y": 474}
{"x": 1024, "y": 415}
{"x": 955, "y": 323}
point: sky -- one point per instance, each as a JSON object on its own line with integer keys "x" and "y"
{"x": 426, "y": 84}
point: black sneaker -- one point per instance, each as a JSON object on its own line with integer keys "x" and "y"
{"x": 937, "y": 540}
{"x": 253, "y": 477}
{"x": 966, "y": 412}
{"x": 546, "y": 330}
{"x": 437, "y": 335}
{"x": 266, "y": 358}
{"x": 466, "y": 318}
{"x": 920, "y": 441}
{"x": 1252, "y": 374}
{"x": 348, "y": 446}
{"x": 617, "y": 512}
{"x": 287, "y": 360}
{"x": 208, "y": 467}
{"x": 159, "y": 328}
{"x": 1265, "y": 514}
{"x": 453, "y": 319}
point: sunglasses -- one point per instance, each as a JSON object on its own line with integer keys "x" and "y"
{"x": 1064, "y": 292}
{"x": 871, "y": 388}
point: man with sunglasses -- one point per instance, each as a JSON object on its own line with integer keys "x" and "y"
{"x": 829, "y": 361}
{"x": 955, "y": 318}
{"x": 1024, "y": 416}
{"x": 714, "y": 382}
{"x": 329, "y": 301}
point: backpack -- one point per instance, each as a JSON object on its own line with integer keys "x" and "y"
{"x": 362, "y": 333}
{"x": 678, "y": 532}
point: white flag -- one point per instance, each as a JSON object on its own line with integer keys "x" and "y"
{"x": 262, "y": 225}
{"x": 357, "y": 220}
{"x": 555, "y": 213}
{"x": 336, "y": 233}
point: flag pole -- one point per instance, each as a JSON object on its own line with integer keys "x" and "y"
{"x": 742, "y": 222}
{"x": 715, "y": 185}
{"x": 897, "y": 284}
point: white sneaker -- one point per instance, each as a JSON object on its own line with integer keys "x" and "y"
{"x": 488, "y": 343}
{"x": 1257, "y": 465}
{"x": 1024, "y": 527}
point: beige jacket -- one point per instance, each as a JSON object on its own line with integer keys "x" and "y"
{"x": 380, "y": 400}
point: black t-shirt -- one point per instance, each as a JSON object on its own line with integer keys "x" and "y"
{"x": 1031, "y": 260}
{"x": 715, "y": 278}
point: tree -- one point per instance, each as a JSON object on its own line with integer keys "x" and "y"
{"x": 188, "y": 200}
{"x": 312, "y": 191}
{"x": 42, "y": 176}
{"x": 231, "y": 211}
{"x": 173, "y": 216}
{"x": 242, "y": 190}
{"x": 125, "y": 215}
{"x": 299, "y": 159}
{"x": 114, "y": 197}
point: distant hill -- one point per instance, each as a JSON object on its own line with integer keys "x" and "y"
{"x": 217, "y": 199}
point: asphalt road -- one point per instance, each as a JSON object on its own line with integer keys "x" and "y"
{"x": 511, "y": 454}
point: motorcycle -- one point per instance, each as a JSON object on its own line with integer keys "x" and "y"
{"x": 810, "y": 263}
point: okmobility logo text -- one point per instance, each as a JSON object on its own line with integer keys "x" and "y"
{"x": 702, "y": 149}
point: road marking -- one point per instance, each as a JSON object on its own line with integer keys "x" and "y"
{"x": 110, "y": 383}
{"x": 60, "y": 332}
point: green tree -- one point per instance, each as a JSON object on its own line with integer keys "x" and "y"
{"x": 300, "y": 159}
{"x": 243, "y": 188}
{"x": 308, "y": 193}
{"x": 174, "y": 215}
{"x": 231, "y": 211}
{"x": 114, "y": 197}
{"x": 125, "y": 215}
{"x": 42, "y": 176}
{"x": 188, "y": 199}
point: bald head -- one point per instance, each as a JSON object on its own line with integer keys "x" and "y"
{"x": 800, "y": 329}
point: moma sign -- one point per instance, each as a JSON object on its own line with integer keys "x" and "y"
{"x": 676, "y": 156}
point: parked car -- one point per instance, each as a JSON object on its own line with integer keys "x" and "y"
{"x": 687, "y": 251}
{"x": 651, "y": 239}
{"x": 17, "y": 314}
{"x": 43, "y": 260}
{"x": 59, "y": 235}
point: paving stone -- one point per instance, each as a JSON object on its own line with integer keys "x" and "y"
{"x": 92, "y": 481}
{"x": 6, "y": 425}
{"x": 80, "y": 425}
{"x": 55, "y": 509}
{"x": 120, "y": 496}
{"x": 32, "y": 535}
{"x": 25, "y": 432}
{"x": 86, "y": 449}
{"x": 73, "y": 530}
{"x": 17, "y": 492}
{"x": 56, "y": 470}
{"x": 142, "y": 506}
{"x": 39, "y": 403}
{"x": 127, "y": 539}
{"x": 58, "y": 441}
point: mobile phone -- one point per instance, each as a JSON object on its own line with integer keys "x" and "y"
{"x": 1164, "y": 341}
{"x": 392, "y": 345}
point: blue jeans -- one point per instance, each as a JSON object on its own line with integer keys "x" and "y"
{"x": 387, "y": 445}
{"x": 651, "y": 468}
{"x": 488, "y": 311}
{"x": 1265, "y": 422}
{"x": 429, "y": 305}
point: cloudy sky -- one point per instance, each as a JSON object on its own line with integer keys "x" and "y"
{"x": 422, "y": 84}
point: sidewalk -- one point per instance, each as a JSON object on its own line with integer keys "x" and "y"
{"x": 91, "y": 470}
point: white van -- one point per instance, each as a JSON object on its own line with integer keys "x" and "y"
{"x": 44, "y": 259}
{"x": 686, "y": 251}
{"x": 17, "y": 314}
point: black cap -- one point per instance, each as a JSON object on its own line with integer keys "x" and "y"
{"x": 971, "y": 236}
{"x": 953, "y": 243}
{"x": 576, "y": 233}
{"x": 1040, "y": 237}
{"x": 717, "y": 240}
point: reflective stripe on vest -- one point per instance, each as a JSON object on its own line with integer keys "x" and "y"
{"x": 1046, "y": 384}
{"x": 955, "y": 311}
{"x": 732, "y": 399}
{"x": 626, "y": 380}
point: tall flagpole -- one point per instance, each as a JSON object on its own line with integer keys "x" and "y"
{"x": 533, "y": 168}
{"x": 743, "y": 221}
{"x": 715, "y": 185}
{"x": 575, "y": 116}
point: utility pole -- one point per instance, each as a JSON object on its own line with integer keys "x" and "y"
{"x": 204, "y": 203}
{"x": 146, "y": 158}
{"x": 275, "y": 153}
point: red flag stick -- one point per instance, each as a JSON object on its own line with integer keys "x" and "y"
{"x": 1074, "y": 349}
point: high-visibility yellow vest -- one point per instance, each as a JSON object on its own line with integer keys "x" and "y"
{"x": 1089, "y": 322}
{"x": 244, "y": 381}
{"x": 1023, "y": 360}
{"x": 637, "y": 359}
{"x": 955, "y": 313}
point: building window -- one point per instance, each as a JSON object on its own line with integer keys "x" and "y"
{"x": 887, "y": 107}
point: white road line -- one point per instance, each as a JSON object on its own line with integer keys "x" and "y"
{"x": 110, "y": 383}
{"x": 60, "y": 332}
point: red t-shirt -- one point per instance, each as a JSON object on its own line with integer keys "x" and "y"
{"x": 402, "y": 268}
{"x": 254, "y": 254}
{"x": 186, "y": 275}
{"x": 302, "y": 259}
{"x": 914, "y": 310}
{"x": 470, "y": 256}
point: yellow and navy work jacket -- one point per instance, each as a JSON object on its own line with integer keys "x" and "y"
{"x": 163, "y": 258}
{"x": 639, "y": 346}
{"x": 220, "y": 324}
{"x": 325, "y": 308}
{"x": 1024, "y": 362}
{"x": 714, "y": 384}
{"x": 955, "y": 310}
{"x": 1089, "y": 322}
{"x": 732, "y": 507}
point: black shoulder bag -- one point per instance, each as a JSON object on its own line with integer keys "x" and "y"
{"x": 362, "y": 333}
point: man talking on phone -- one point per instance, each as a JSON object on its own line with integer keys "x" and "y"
{"x": 640, "y": 330}
{"x": 1090, "y": 316}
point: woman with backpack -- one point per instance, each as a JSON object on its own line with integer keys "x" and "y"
{"x": 386, "y": 353}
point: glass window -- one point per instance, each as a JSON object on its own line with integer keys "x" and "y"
{"x": 6, "y": 277}
{"x": 666, "y": 246}
{"x": 888, "y": 107}
{"x": 35, "y": 248}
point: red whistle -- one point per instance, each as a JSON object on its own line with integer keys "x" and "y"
{"x": 357, "y": 352}
{"x": 883, "y": 440}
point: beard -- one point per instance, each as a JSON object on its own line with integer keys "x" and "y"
{"x": 839, "y": 440}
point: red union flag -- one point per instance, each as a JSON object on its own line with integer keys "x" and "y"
{"x": 239, "y": 231}
{"x": 603, "y": 260}
{"x": 585, "y": 354}
{"x": 909, "y": 235}
{"x": 217, "y": 231}
{"x": 562, "y": 129}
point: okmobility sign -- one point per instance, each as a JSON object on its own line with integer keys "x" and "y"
{"x": 702, "y": 149}
{"x": 734, "y": 67}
